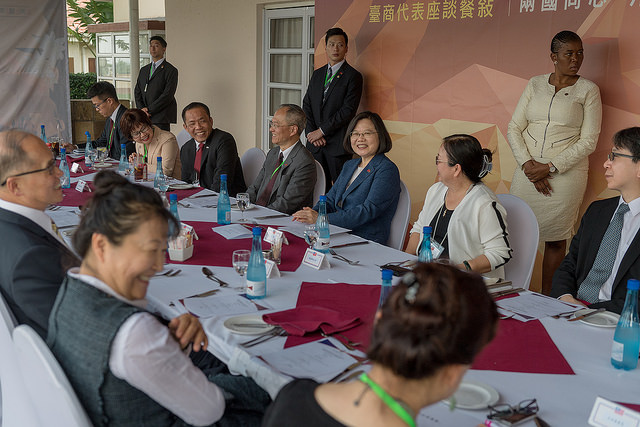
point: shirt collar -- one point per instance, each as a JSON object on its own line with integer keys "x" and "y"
{"x": 158, "y": 62}
{"x": 634, "y": 205}
{"x": 101, "y": 286}
{"x": 335, "y": 68}
{"x": 35, "y": 215}
{"x": 286, "y": 152}
{"x": 114, "y": 115}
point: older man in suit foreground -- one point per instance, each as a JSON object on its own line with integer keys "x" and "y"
{"x": 605, "y": 252}
{"x": 288, "y": 176}
{"x": 33, "y": 257}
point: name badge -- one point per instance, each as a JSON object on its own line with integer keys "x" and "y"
{"x": 609, "y": 414}
{"x": 436, "y": 249}
{"x": 315, "y": 259}
{"x": 81, "y": 185}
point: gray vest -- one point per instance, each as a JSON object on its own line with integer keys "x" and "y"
{"x": 83, "y": 323}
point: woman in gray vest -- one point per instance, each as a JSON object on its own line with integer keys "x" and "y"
{"x": 127, "y": 365}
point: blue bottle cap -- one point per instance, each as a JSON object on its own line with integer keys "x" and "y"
{"x": 633, "y": 284}
{"x": 87, "y": 133}
{"x": 173, "y": 196}
{"x": 159, "y": 158}
{"x": 323, "y": 198}
{"x": 257, "y": 231}
{"x": 426, "y": 230}
{"x": 41, "y": 126}
{"x": 64, "y": 151}
{"x": 387, "y": 274}
{"x": 223, "y": 177}
{"x": 123, "y": 146}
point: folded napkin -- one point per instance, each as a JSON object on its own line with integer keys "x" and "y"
{"x": 307, "y": 318}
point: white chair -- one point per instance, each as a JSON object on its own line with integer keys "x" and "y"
{"x": 400, "y": 219}
{"x": 251, "y": 162}
{"x": 55, "y": 401}
{"x": 321, "y": 183}
{"x": 523, "y": 238}
{"x": 182, "y": 137}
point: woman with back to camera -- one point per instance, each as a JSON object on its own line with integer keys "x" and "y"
{"x": 554, "y": 128}
{"x": 128, "y": 366}
{"x": 468, "y": 222}
{"x": 425, "y": 337}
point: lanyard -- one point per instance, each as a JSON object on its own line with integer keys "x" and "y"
{"x": 276, "y": 169}
{"x": 392, "y": 403}
{"x": 327, "y": 80}
{"x": 145, "y": 153}
{"x": 113, "y": 125}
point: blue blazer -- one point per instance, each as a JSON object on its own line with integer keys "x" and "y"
{"x": 368, "y": 205}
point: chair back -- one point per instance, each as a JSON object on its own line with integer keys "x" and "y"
{"x": 523, "y": 238}
{"x": 182, "y": 137}
{"x": 55, "y": 401}
{"x": 400, "y": 219}
{"x": 252, "y": 161}
{"x": 321, "y": 183}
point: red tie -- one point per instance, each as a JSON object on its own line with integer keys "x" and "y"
{"x": 263, "y": 200}
{"x": 198, "y": 161}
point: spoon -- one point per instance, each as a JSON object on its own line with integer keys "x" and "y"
{"x": 213, "y": 277}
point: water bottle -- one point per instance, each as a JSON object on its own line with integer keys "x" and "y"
{"x": 123, "y": 165}
{"x": 256, "y": 271}
{"x": 159, "y": 173}
{"x": 626, "y": 340}
{"x": 322, "y": 224}
{"x": 43, "y": 136}
{"x": 386, "y": 288}
{"x": 88, "y": 150}
{"x": 173, "y": 205}
{"x": 224, "y": 205}
{"x": 425, "y": 255}
{"x": 65, "y": 180}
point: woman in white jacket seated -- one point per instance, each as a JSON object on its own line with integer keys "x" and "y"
{"x": 469, "y": 223}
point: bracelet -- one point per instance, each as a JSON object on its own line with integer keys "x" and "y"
{"x": 467, "y": 265}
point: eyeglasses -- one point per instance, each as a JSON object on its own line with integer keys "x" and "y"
{"x": 97, "y": 106}
{"x": 49, "y": 168}
{"x": 273, "y": 124}
{"x": 142, "y": 130}
{"x": 366, "y": 134}
{"x": 524, "y": 408}
{"x": 612, "y": 156}
{"x": 440, "y": 161}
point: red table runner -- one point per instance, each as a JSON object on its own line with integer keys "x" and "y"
{"x": 76, "y": 198}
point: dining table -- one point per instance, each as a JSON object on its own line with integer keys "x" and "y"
{"x": 564, "y": 365}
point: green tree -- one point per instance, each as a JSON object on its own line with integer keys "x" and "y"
{"x": 86, "y": 13}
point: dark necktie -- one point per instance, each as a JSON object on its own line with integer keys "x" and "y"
{"x": 327, "y": 83}
{"x": 589, "y": 289}
{"x": 264, "y": 197}
{"x": 198, "y": 160}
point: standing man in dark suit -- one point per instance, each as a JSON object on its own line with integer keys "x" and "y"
{"x": 210, "y": 152}
{"x": 330, "y": 103}
{"x": 156, "y": 86}
{"x": 605, "y": 252}
{"x": 33, "y": 258}
{"x": 288, "y": 176}
{"x": 105, "y": 99}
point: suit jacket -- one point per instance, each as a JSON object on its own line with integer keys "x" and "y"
{"x": 368, "y": 205}
{"x": 117, "y": 137}
{"x": 219, "y": 155}
{"x": 338, "y": 109}
{"x": 33, "y": 265}
{"x": 582, "y": 253}
{"x": 294, "y": 184}
{"x": 162, "y": 144}
{"x": 157, "y": 93}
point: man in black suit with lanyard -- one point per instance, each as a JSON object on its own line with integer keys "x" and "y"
{"x": 330, "y": 103}
{"x": 156, "y": 86}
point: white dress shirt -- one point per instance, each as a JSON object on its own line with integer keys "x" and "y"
{"x": 146, "y": 355}
{"x": 35, "y": 215}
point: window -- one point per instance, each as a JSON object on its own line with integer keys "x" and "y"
{"x": 287, "y": 62}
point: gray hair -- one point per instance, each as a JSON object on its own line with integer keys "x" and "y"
{"x": 12, "y": 155}
{"x": 295, "y": 116}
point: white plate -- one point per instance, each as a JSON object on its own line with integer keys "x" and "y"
{"x": 238, "y": 324}
{"x": 234, "y": 207}
{"x": 78, "y": 152}
{"x": 475, "y": 395}
{"x": 181, "y": 186}
{"x": 103, "y": 165}
{"x": 606, "y": 319}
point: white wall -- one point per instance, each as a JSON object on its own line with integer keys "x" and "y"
{"x": 147, "y": 9}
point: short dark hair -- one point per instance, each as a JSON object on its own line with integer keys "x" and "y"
{"x": 384, "y": 139}
{"x": 563, "y": 37}
{"x": 160, "y": 39}
{"x": 117, "y": 209}
{"x": 629, "y": 138}
{"x": 336, "y": 32}
{"x": 193, "y": 105}
{"x": 437, "y": 316}
{"x": 466, "y": 151}
{"x": 12, "y": 155}
{"x": 295, "y": 116}
{"x": 103, "y": 90}
{"x": 132, "y": 118}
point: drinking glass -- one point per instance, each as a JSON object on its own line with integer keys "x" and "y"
{"x": 243, "y": 203}
{"x": 240, "y": 260}
{"x": 140, "y": 168}
{"x": 102, "y": 155}
{"x": 93, "y": 156}
{"x": 311, "y": 235}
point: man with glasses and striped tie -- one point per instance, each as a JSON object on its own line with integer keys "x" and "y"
{"x": 605, "y": 252}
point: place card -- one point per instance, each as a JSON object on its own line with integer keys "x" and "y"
{"x": 606, "y": 413}
{"x": 75, "y": 167}
{"x": 81, "y": 185}
{"x": 272, "y": 269}
{"x": 273, "y": 236}
{"x": 315, "y": 259}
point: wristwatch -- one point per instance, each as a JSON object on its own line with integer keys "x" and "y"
{"x": 552, "y": 169}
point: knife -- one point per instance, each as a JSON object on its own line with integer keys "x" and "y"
{"x": 271, "y": 216}
{"x": 202, "y": 195}
{"x": 364, "y": 242}
{"x": 584, "y": 316}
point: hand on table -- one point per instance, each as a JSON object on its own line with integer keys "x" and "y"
{"x": 571, "y": 299}
{"x": 306, "y": 215}
{"x": 187, "y": 329}
{"x": 68, "y": 146}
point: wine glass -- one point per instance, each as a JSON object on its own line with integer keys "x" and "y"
{"x": 311, "y": 235}
{"x": 240, "y": 260}
{"x": 243, "y": 203}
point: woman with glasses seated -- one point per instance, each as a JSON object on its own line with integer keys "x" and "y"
{"x": 426, "y": 335}
{"x": 365, "y": 195}
{"x": 127, "y": 365}
{"x": 468, "y": 222}
{"x": 151, "y": 142}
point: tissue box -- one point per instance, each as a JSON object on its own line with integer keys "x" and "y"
{"x": 180, "y": 254}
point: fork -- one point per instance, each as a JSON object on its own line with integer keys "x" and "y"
{"x": 166, "y": 273}
{"x": 349, "y": 344}
{"x": 53, "y": 208}
{"x": 342, "y": 258}
{"x": 277, "y": 332}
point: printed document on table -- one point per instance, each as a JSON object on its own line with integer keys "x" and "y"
{"x": 218, "y": 305}
{"x": 531, "y": 306}
{"x": 65, "y": 216}
{"x": 233, "y": 231}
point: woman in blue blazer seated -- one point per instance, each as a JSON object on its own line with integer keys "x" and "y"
{"x": 365, "y": 195}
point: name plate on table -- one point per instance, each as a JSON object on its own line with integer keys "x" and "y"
{"x": 609, "y": 414}
{"x": 81, "y": 185}
{"x": 272, "y": 269}
{"x": 315, "y": 259}
{"x": 75, "y": 167}
{"x": 272, "y": 236}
